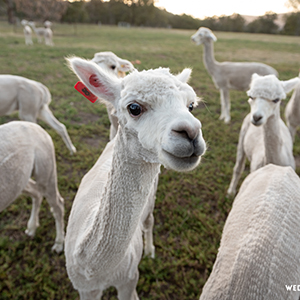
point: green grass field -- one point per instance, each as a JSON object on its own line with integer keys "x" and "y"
{"x": 191, "y": 208}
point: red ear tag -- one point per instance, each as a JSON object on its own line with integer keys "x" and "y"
{"x": 83, "y": 90}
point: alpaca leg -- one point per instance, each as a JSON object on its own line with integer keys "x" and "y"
{"x": 33, "y": 222}
{"x": 57, "y": 208}
{"x": 127, "y": 291}
{"x": 47, "y": 116}
{"x": 149, "y": 248}
{"x": 237, "y": 171}
{"x": 225, "y": 105}
{"x": 90, "y": 295}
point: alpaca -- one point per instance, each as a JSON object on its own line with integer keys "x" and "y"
{"x": 119, "y": 67}
{"x": 259, "y": 252}
{"x": 227, "y": 75}
{"x": 32, "y": 99}
{"x": 264, "y": 138}
{"x": 292, "y": 112}
{"x": 27, "y": 150}
{"x": 27, "y": 32}
{"x": 104, "y": 234}
{"x": 43, "y": 33}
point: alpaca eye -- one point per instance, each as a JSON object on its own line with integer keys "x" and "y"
{"x": 134, "y": 109}
{"x": 275, "y": 100}
{"x": 113, "y": 67}
{"x": 191, "y": 106}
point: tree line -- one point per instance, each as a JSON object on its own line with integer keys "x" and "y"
{"x": 142, "y": 13}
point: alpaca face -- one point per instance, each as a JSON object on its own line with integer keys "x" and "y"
{"x": 265, "y": 95}
{"x": 203, "y": 34}
{"x": 157, "y": 106}
{"x": 113, "y": 63}
{"x": 154, "y": 108}
{"x": 262, "y": 109}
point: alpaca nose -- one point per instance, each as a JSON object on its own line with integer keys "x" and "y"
{"x": 186, "y": 131}
{"x": 257, "y": 118}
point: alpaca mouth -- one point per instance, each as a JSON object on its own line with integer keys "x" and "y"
{"x": 185, "y": 159}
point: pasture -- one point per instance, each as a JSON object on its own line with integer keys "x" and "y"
{"x": 191, "y": 208}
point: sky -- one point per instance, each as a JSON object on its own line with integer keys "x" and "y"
{"x": 208, "y": 8}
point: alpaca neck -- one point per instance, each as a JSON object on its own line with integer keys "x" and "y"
{"x": 272, "y": 139}
{"x": 121, "y": 205}
{"x": 208, "y": 57}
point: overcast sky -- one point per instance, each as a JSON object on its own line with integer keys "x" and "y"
{"x": 204, "y": 8}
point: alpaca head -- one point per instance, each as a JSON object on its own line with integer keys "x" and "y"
{"x": 265, "y": 95}
{"x": 113, "y": 63}
{"x": 154, "y": 110}
{"x": 47, "y": 24}
{"x": 24, "y": 22}
{"x": 202, "y": 35}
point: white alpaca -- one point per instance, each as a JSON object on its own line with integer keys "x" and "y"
{"x": 118, "y": 66}
{"x": 264, "y": 138}
{"x": 259, "y": 252}
{"x": 27, "y": 150}
{"x": 27, "y": 32}
{"x": 292, "y": 112}
{"x": 31, "y": 99}
{"x": 43, "y": 33}
{"x": 104, "y": 235}
{"x": 227, "y": 75}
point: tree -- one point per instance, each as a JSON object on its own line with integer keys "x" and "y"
{"x": 292, "y": 24}
{"x": 295, "y": 4}
{"x": 41, "y": 9}
{"x": 10, "y": 11}
{"x": 264, "y": 24}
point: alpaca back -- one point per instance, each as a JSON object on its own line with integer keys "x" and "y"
{"x": 259, "y": 252}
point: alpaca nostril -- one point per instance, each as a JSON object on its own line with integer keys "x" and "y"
{"x": 181, "y": 133}
{"x": 257, "y": 118}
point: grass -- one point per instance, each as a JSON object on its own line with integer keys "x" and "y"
{"x": 191, "y": 208}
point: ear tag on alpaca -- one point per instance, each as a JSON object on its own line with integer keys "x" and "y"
{"x": 83, "y": 90}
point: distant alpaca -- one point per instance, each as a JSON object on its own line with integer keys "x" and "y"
{"x": 227, "y": 75}
{"x": 27, "y": 150}
{"x": 259, "y": 252}
{"x": 292, "y": 112}
{"x": 31, "y": 99}
{"x": 104, "y": 235}
{"x": 118, "y": 66}
{"x": 27, "y": 32}
{"x": 43, "y": 33}
{"x": 264, "y": 138}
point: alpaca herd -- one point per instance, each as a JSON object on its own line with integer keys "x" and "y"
{"x": 42, "y": 33}
{"x": 152, "y": 125}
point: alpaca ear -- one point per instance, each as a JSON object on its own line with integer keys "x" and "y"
{"x": 185, "y": 75}
{"x": 99, "y": 82}
{"x": 212, "y": 36}
{"x": 125, "y": 65}
{"x": 289, "y": 85}
{"x": 254, "y": 76}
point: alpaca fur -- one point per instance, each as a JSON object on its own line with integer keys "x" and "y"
{"x": 104, "y": 234}
{"x": 27, "y": 150}
{"x": 264, "y": 138}
{"x": 292, "y": 112}
{"x": 227, "y": 75}
{"x": 117, "y": 66}
{"x": 27, "y": 32}
{"x": 259, "y": 250}
{"x": 31, "y": 99}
